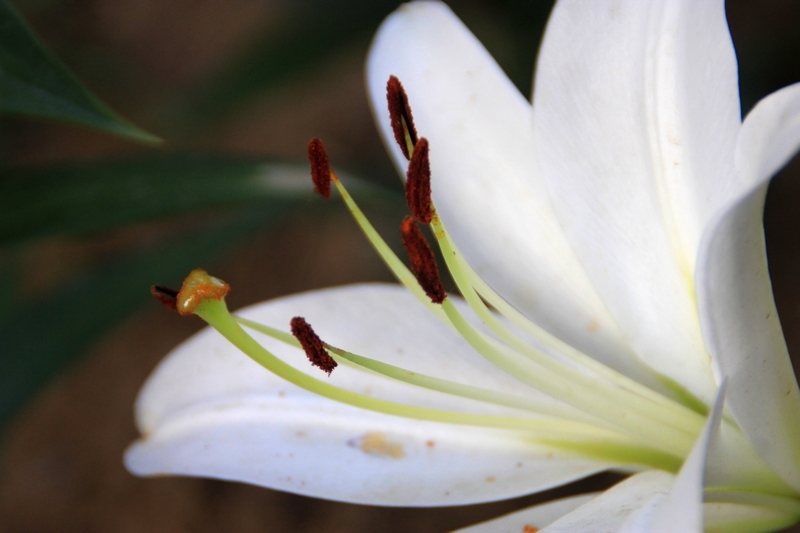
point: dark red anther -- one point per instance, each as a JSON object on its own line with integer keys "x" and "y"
{"x": 423, "y": 262}
{"x": 165, "y": 295}
{"x": 400, "y": 114}
{"x": 312, "y": 345}
{"x": 418, "y": 183}
{"x": 320, "y": 167}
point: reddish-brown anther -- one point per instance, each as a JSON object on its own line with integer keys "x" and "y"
{"x": 423, "y": 262}
{"x": 165, "y": 295}
{"x": 312, "y": 345}
{"x": 400, "y": 114}
{"x": 320, "y": 167}
{"x": 418, "y": 183}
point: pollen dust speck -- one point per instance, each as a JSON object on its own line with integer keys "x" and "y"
{"x": 377, "y": 443}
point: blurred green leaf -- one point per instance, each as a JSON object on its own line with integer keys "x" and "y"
{"x": 37, "y": 339}
{"x": 33, "y": 82}
{"x": 316, "y": 30}
{"x": 97, "y": 196}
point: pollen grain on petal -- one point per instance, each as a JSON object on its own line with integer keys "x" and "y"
{"x": 378, "y": 443}
{"x": 423, "y": 262}
{"x": 400, "y": 115}
{"x": 418, "y": 183}
{"x": 312, "y": 345}
{"x": 320, "y": 167}
{"x": 168, "y": 297}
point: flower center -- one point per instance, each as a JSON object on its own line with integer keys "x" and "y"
{"x": 599, "y": 413}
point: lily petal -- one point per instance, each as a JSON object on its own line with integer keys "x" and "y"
{"x": 531, "y": 519}
{"x": 738, "y": 314}
{"x": 608, "y": 512}
{"x": 651, "y": 502}
{"x": 486, "y": 181}
{"x": 635, "y": 115}
{"x": 208, "y": 410}
{"x": 734, "y": 517}
{"x": 718, "y": 518}
{"x": 682, "y": 508}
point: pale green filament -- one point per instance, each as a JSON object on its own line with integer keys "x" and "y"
{"x": 664, "y": 437}
{"x": 540, "y": 378}
{"x": 668, "y": 411}
{"x": 582, "y": 392}
{"x": 398, "y": 268}
{"x": 430, "y": 382}
{"x": 407, "y": 137}
{"x": 216, "y": 314}
{"x": 557, "y": 345}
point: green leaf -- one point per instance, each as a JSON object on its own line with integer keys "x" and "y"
{"x": 38, "y": 339}
{"x": 101, "y": 195}
{"x": 33, "y": 82}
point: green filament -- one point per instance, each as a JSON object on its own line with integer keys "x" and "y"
{"x": 397, "y": 267}
{"x": 430, "y": 382}
{"x": 649, "y": 402}
{"x": 216, "y": 314}
{"x": 661, "y": 421}
{"x": 581, "y": 393}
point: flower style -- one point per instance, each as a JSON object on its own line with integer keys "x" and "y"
{"x": 614, "y": 226}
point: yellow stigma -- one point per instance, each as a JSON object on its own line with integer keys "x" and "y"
{"x": 198, "y": 287}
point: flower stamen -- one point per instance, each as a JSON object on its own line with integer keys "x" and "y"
{"x": 390, "y": 259}
{"x": 452, "y": 388}
{"x": 423, "y": 262}
{"x": 400, "y": 115}
{"x": 216, "y": 314}
{"x": 418, "y": 183}
{"x": 168, "y": 297}
{"x": 670, "y": 412}
{"x": 320, "y": 167}
{"x": 207, "y": 293}
{"x": 615, "y": 407}
{"x": 312, "y": 345}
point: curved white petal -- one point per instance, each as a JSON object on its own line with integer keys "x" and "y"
{"x": 485, "y": 175}
{"x": 531, "y": 519}
{"x": 769, "y": 137}
{"x": 682, "y": 508}
{"x": 739, "y": 318}
{"x": 651, "y": 502}
{"x": 208, "y": 410}
{"x": 726, "y": 517}
{"x": 635, "y": 118}
{"x": 609, "y": 512}
{"x": 718, "y": 517}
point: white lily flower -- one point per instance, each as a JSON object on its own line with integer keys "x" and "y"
{"x": 615, "y": 228}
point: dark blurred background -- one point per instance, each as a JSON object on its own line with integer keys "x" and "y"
{"x": 89, "y": 220}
